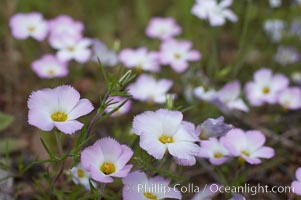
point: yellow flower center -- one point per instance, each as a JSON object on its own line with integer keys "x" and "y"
{"x": 50, "y": 72}
{"x": 245, "y": 153}
{"x": 177, "y": 56}
{"x": 202, "y": 135}
{"x": 59, "y": 116}
{"x": 166, "y": 139}
{"x": 80, "y": 173}
{"x": 266, "y": 90}
{"x": 218, "y": 155}
{"x": 71, "y": 49}
{"x": 149, "y": 195}
{"x": 31, "y": 29}
{"x": 107, "y": 168}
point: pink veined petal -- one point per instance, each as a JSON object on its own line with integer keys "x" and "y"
{"x": 264, "y": 152}
{"x": 170, "y": 120}
{"x": 83, "y": 107}
{"x": 110, "y": 148}
{"x": 234, "y": 141}
{"x": 122, "y": 172}
{"x": 97, "y": 175}
{"x": 183, "y": 150}
{"x": 229, "y": 92}
{"x": 239, "y": 105}
{"x": 68, "y": 97}
{"x": 40, "y": 119}
{"x": 280, "y": 82}
{"x": 189, "y": 161}
{"x": 90, "y": 156}
{"x": 147, "y": 122}
{"x": 152, "y": 145}
{"x": 125, "y": 156}
{"x": 69, "y": 127}
{"x": 171, "y": 193}
{"x": 255, "y": 139}
{"x": 130, "y": 193}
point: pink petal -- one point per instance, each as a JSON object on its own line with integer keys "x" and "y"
{"x": 69, "y": 127}
{"x": 83, "y": 107}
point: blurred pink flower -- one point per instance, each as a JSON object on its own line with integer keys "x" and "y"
{"x": 265, "y": 87}
{"x": 140, "y": 58}
{"x": 148, "y": 89}
{"x": 297, "y": 184}
{"x": 108, "y": 57}
{"x": 50, "y": 67}
{"x": 105, "y": 159}
{"x": 72, "y": 48}
{"x": 163, "y": 28}
{"x": 228, "y": 97}
{"x": 164, "y": 130}
{"x": 201, "y": 94}
{"x": 81, "y": 176}
{"x": 214, "y": 150}
{"x": 65, "y": 25}
{"x": 213, "y": 128}
{"x": 24, "y": 25}
{"x": 137, "y": 186}
{"x": 58, "y": 107}
{"x": 215, "y": 12}
{"x": 248, "y": 145}
{"x": 290, "y": 98}
{"x": 118, "y": 101}
{"x": 177, "y": 53}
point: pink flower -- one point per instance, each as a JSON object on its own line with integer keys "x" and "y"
{"x": 290, "y": 98}
{"x": 215, "y": 12}
{"x": 163, "y": 28}
{"x": 228, "y": 97}
{"x": 65, "y": 25}
{"x": 165, "y": 130}
{"x": 297, "y": 184}
{"x": 201, "y": 94}
{"x": 265, "y": 87}
{"x": 49, "y": 67}
{"x": 117, "y": 102}
{"x": 214, "y": 150}
{"x": 24, "y": 25}
{"x": 137, "y": 186}
{"x": 248, "y": 145}
{"x": 177, "y": 53}
{"x": 148, "y": 89}
{"x": 72, "y": 48}
{"x": 58, "y": 107}
{"x": 105, "y": 159}
{"x": 81, "y": 176}
{"x": 140, "y": 58}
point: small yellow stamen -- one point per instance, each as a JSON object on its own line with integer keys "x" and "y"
{"x": 107, "y": 168}
{"x": 80, "y": 173}
{"x": 166, "y": 139}
{"x": 202, "y": 135}
{"x": 50, "y": 72}
{"x": 245, "y": 153}
{"x": 266, "y": 90}
{"x": 59, "y": 116}
{"x": 71, "y": 49}
{"x": 149, "y": 195}
{"x": 31, "y": 29}
{"x": 218, "y": 155}
{"x": 177, "y": 56}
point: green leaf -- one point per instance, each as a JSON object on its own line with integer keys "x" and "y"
{"x": 5, "y": 120}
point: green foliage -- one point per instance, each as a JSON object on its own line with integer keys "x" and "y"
{"x": 5, "y": 120}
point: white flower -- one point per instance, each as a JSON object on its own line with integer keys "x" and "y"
{"x": 216, "y": 13}
{"x": 81, "y": 176}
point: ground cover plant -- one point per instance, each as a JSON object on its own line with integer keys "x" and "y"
{"x": 150, "y": 99}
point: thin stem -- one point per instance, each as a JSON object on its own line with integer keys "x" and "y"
{"x": 102, "y": 189}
